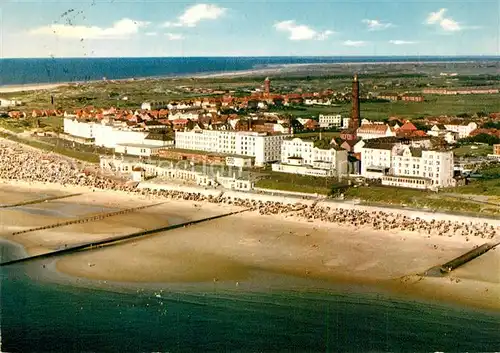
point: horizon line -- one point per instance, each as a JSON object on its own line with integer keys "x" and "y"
{"x": 492, "y": 56}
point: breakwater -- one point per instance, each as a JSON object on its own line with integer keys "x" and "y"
{"x": 115, "y": 240}
{"x": 468, "y": 256}
{"x": 32, "y": 202}
{"x": 87, "y": 219}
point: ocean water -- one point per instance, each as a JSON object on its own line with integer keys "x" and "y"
{"x": 26, "y": 71}
{"x": 38, "y": 316}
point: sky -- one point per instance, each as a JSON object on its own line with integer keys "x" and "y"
{"x": 162, "y": 28}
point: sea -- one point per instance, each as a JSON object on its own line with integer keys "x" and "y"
{"x": 38, "y": 314}
{"x": 55, "y": 70}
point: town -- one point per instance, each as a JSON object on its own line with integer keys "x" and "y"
{"x": 252, "y": 143}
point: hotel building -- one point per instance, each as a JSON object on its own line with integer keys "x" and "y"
{"x": 301, "y": 157}
{"x": 407, "y": 163}
{"x": 264, "y": 147}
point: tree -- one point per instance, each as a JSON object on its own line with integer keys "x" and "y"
{"x": 323, "y": 144}
{"x": 484, "y": 138}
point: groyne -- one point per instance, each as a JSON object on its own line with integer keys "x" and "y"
{"x": 97, "y": 217}
{"x": 468, "y": 256}
{"x": 116, "y": 240}
{"x": 32, "y": 202}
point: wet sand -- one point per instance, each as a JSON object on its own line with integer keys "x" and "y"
{"x": 235, "y": 248}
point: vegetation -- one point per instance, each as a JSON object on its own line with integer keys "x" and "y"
{"x": 483, "y": 138}
{"x": 52, "y": 123}
{"x": 297, "y": 183}
{"x": 419, "y": 199}
{"x": 68, "y": 152}
{"x": 472, "y": 150}
{"x": 487, "y": 184}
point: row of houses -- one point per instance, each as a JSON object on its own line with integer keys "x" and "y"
{"x": 445, "y": 91}
{"x": 394, "y": 97}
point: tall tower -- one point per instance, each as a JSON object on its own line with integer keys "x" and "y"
{"x": 267, "y": 86}
{"x": 355, "y": 111}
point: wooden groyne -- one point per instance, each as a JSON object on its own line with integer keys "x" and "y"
{"x": 468, "y": 256}
{"x": 115, "y": 240}
{"x": 31, "y": 202}
{"x": 97, "y": 217}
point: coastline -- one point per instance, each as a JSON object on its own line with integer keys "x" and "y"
{"x": 31, "y": 87}
{"x": 232, "y": 249}
{"x": 267, "y": 69}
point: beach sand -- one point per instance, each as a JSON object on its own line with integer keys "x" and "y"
{"x": 30, "y": 87}
{"x": 235, "y": 248}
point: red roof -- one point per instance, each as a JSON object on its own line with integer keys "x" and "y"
{"x": 408, "y": 126}
{"x": 180, "y": 121}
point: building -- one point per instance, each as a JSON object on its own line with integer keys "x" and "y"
{"x": 373, "y": 131}
{"x": 300, "y": 156}
{"x": 106, "y": 133}
{"x": 153, "y": 105}
{"x": 345, "y": 122}
{"x": 152, "y": 144}
{"x": 413, "y": 163}
{"x": 5, "y": 103}
{"x": 264, "y": 147}
{"x": 445, "y": 91}
{"x": 420, "y": 169}
{"x": 441, "y": 132}
{"x": 376, "y": 158}
{"x": 496, "y": 152}
{"x": 327, "y": 121}
{"x": 463, "y": 130}
{"x": 79, "y": 128}
{"x": 138, "y": 170}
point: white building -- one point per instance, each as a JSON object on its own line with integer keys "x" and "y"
{"x": 9, "y": 103}
{"x": 440, "y": 131}
{"x": 301, "y": 157}
{"x": 462, "y": 130}
{"x": 373, "y": 131}
{"x": 264, "y": 147}
{"x": 150, "y": 146}
{"x": 79, "y": 128}
{"x": 138, "y": 170}
{"x": 413, "y": 165}
{"x": 105, "y": 133}
{"x": 327, "y": 121}
{"x": 420, "y": 169}
{"x": 376, "y": 160}
{"x": 345, "y": 122}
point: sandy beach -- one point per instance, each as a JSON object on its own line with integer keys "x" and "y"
{"x": 31, "y": 87}
{"x": 233, "y": 249}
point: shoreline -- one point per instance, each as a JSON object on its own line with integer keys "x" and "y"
{"x": 265, "y": 70}
{"x": 278, "y": 245}
{"x": 279, "y": 234}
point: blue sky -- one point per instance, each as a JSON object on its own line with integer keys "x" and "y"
{"x": 98, "y": 28}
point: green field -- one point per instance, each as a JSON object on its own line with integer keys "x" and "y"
{"x": 68, "y": 152}
{"x": 297, "y": 183}
{"x": 473, "y": 150}
{"x": 381, "y": 195}
{"x": 432, "y": 107}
